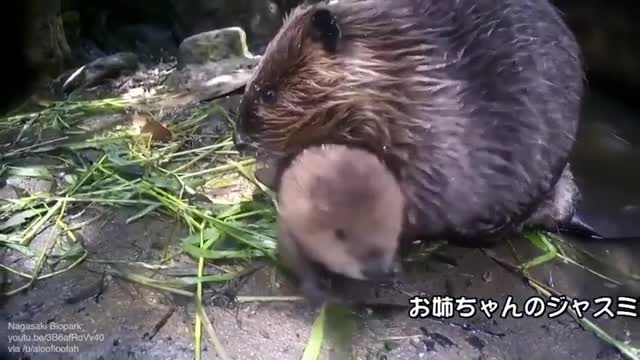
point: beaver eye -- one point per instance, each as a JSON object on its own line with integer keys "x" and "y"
{"x": 268, "y": 95}
{"x": 340, "y": 234}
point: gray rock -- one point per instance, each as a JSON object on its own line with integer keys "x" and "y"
{"x": 211, "y": 80}
{"x": 213, "y": 63}
{"x": 8, "y": 192}
{"x": 30, "y": 185}
{"x": 259, "y": 18}
{"x": 213, "y": 46}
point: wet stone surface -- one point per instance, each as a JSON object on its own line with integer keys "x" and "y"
{"x": 141, "y": 323}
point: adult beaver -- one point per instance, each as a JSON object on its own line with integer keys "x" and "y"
{"x": 473, "y": 104}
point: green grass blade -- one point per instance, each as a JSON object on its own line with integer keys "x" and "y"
{"x": 316, "y": 338}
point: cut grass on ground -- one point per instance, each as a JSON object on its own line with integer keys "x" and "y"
{"x": 123, "y": 168}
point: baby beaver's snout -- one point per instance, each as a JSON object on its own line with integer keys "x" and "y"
{"x": 380, "y": 267}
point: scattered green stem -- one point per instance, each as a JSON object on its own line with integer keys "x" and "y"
{"x": 198, "y": 323}
{"x": 49, "y": 275}
{"x": 316, "y": 338}
{"x": 35, "y": 227}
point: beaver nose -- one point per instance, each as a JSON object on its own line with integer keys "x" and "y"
{"x": 240, "y": 141}
{"x": 378, "y": 269}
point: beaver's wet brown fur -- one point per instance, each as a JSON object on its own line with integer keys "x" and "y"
{"x": 474, "y": 104}
{"x": 340, "y": 209}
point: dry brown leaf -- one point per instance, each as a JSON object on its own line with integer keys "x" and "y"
{"x": 147, "y": 125}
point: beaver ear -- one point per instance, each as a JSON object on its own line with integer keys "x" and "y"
{"x": 325, "y": 28}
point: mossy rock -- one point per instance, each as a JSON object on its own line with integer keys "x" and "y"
{"x": 213, "y": 46}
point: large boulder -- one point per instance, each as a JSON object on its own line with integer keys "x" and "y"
{"x": 154, "y": 29}
{"x": 259, "y": 18}
{"x": 213, "y": 46}
{"x": 213, "y": 63}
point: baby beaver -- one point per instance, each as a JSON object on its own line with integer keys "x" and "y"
{"x": 340, "y": 211}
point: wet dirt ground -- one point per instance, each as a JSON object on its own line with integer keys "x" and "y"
{"x": 134, "y": 322}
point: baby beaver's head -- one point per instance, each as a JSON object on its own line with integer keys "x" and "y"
{"x": 340, "y": 209}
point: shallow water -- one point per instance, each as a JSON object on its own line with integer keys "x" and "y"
{"x": 606, "y": 163}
